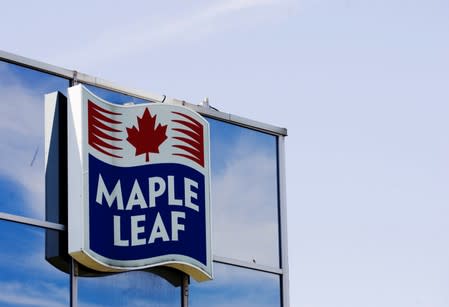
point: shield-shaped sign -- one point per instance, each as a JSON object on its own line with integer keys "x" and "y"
{"x": 138, "y": 186}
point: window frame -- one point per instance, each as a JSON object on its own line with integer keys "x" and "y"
{"x": 75, "y": 77}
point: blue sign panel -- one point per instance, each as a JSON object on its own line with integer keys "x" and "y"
{"x": 139, "y": 186}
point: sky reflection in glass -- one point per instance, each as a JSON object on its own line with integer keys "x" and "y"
{"x": 135, "y": 288}
{"x": 26, "y": 278}
{"x": 114, "y": 97}
{"x": 22, "y": 93}
{"x": 234, "y": 286}
{"x": 244, "y": 194}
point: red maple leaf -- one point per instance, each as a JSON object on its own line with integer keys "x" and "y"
{"x": 148, "y": 137}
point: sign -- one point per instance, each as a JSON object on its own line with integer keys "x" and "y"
{"x": 138, "y": 186}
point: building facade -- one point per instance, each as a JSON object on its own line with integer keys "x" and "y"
{"x": 249, "y": 237}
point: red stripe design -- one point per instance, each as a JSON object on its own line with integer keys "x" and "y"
{"x": 192, "y": 137}
{"x": 99, "y": 124}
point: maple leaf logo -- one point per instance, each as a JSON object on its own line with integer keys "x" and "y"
{"x": 148, "y": 137}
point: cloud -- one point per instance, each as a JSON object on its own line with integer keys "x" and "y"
{"x": 252, "y": 301}
{"x": 25, "y": 253}
{"x": 140, "y": 35}
{"x": 227, "y": 275}
{"x": 22, "y": 134}
{"x": 82, "y": 303}
{"x": 135, "y": 288}
{"x": 237, "y": 287}
{"x": 33, "y": 294}
{"x": 144, "y": 302}
{"x": 228, "y": 7}
{"x": 244, "y": 204}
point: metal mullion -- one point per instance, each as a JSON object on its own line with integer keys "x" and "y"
{"x": 36, "y": 65}
{"x": 84, "y": 78}
{"x": 247, "y": 265}
{"x": 283, "y": 222}
{"x": 31, "y": 221}
{"x": 230, "y": 118}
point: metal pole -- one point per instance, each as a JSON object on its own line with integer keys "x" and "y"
{"x": 185, "y": 291}
{"x": 73, "y": 283}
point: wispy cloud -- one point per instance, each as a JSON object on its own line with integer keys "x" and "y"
{"x": 132, "y": 36}
{"x": 35, "y": 294}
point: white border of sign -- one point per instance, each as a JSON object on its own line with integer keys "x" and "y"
{"x": 78, "y": 196}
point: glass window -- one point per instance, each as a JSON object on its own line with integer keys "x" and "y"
{"x": 136, "y": 288}
{"x": 244, "y": 194}
{"x": 234, "y": 286}
{"x": 244, "y": 212}
{"x": 22, "y": 171}
{"x": 26, "y": 278}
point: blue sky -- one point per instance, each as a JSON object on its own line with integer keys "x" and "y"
{"x": 360, "y": 85}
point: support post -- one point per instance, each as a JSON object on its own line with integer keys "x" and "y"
{"x": 73, "y": 283}
{"x": 185, "y": 291}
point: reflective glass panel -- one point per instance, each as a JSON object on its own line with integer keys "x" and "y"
{"x": 234, "y": 286}
{"x": 26, "y": 278}
{"x": 244, "y": 194}
{"x": 22, "y": 93}
{"x": 135, "y": 288}
{"x": 114, "y": 97}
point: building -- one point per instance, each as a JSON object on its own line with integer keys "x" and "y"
{"x": 249, "y": 235}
